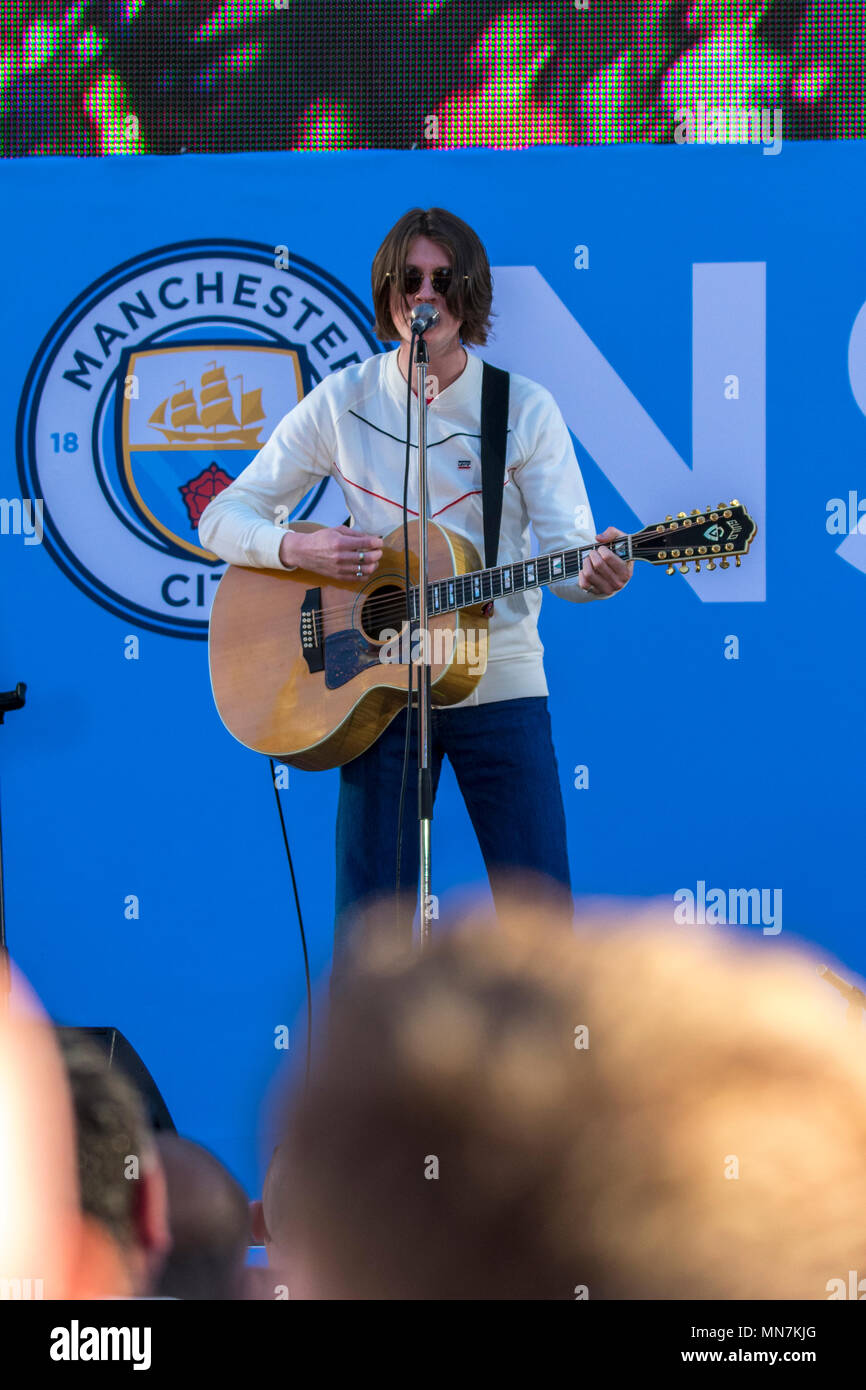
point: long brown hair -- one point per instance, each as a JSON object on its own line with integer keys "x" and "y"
{"x": 470, "y": 295}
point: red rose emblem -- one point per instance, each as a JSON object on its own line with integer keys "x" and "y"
{"x": 199, "y": 491}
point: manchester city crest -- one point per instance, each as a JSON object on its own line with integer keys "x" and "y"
{"x": 203, "y": 429}
{"x": 153, "y": 392}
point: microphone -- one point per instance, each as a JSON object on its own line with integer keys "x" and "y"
{"x": 424, "y": 316}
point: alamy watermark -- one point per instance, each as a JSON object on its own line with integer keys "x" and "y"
{"x": 77, "y": 1343}
{"x": 855, "y": 1289}
{"x": 846, "y": 517}
{"x": 732, "y": 906}
{"x": 21, "y": 1289}
{"x": 22, "y": 516}
{"x": 729, "y": 125}
{"x": 441, "y": 647}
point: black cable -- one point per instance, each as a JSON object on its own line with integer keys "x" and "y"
{"x": 405, "y": 776}
{"x": 300, "y": 924}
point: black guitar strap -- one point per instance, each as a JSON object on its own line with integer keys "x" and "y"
{"x": 494, "y": 430}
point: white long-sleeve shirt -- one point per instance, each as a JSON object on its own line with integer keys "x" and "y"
{"x": 352, "y": 427}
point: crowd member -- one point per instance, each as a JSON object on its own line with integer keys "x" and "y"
{"x": 209, "y": 1223}
{"x": 123, "y": 1190}
{"x": 629, "y": 1111}
{"x": 41, "y": 1247}
{"x": 262, "y": 1217}
{"x": 347, "y": 74}
{"x": 830, "y": 86}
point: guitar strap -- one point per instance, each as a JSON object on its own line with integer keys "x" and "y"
{"x": 494, "y": 429}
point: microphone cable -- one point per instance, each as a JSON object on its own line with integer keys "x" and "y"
{"x": 406, "y": 745}
{"x": 300, "y": 924}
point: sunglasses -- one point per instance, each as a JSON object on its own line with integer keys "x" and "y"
{"x": 413, "y": 279}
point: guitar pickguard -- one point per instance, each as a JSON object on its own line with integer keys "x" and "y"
{"x": 347, "y": 653}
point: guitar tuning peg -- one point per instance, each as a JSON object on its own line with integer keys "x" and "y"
{"x": 684, "y": 569}
{"x": 696, "y": 511}
{"x": 735, "y": 502}
{"x": 668, "y": 518}
{"x": 738, "y": 562}
{"x": 711, "y": 565}
{"x": 682, "y": 514}
{"x": 669, "y": 570}
{"x": 697, "y": 566}
{"x": 723, "y": 564}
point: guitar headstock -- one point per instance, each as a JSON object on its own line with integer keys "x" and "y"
{"x": 712, "y": 537}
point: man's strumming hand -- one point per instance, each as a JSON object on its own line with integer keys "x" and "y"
{"x": 333, "y": 551}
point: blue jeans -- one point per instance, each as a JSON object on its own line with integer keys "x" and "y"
{"x": 503, "y": 759}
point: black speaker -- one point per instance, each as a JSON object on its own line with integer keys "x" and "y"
{"x": 120, "y": 1053}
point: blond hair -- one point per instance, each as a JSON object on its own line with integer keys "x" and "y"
{"x": 629, "y": 1110}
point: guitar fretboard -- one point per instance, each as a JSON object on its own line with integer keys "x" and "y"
{"x": 482, "y": 586}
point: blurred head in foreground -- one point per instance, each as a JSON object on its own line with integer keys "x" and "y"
{"x": 632, "y": 1110}
{"x": 123, "y": 1193}
{"x": 209, "y": 1221}
{"x": 40, "y": 1218}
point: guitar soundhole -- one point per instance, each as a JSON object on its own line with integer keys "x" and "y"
{"x": 383, "y": 610}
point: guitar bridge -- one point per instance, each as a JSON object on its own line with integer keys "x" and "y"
{"x": 312, "y": 644}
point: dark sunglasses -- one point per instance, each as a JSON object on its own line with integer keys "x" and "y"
{"x": 441, "y": 280}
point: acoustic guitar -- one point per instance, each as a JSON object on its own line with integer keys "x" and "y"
{"x": 311, "y": 670}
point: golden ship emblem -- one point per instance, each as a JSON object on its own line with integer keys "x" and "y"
{"x": 212, "y": 418}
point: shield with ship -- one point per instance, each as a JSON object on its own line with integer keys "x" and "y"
{"x": 196, "y": 415}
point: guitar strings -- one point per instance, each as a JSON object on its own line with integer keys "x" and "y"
{"x": 377, "y": 602}
{"x": 383, "y": 602}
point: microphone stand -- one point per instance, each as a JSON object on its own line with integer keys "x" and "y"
{"x": 425, "y": 780}
{"x": 9, "y": 700}
{"x": 855, "y": 997}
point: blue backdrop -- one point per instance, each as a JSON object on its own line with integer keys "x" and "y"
{"x": 695, "y": 311}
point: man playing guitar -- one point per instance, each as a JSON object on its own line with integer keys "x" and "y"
{"x": 352, "y": 427}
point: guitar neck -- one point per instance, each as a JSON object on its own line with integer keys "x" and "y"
{"x": 712, "y": 537}
{"x": 501, "y": 581}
